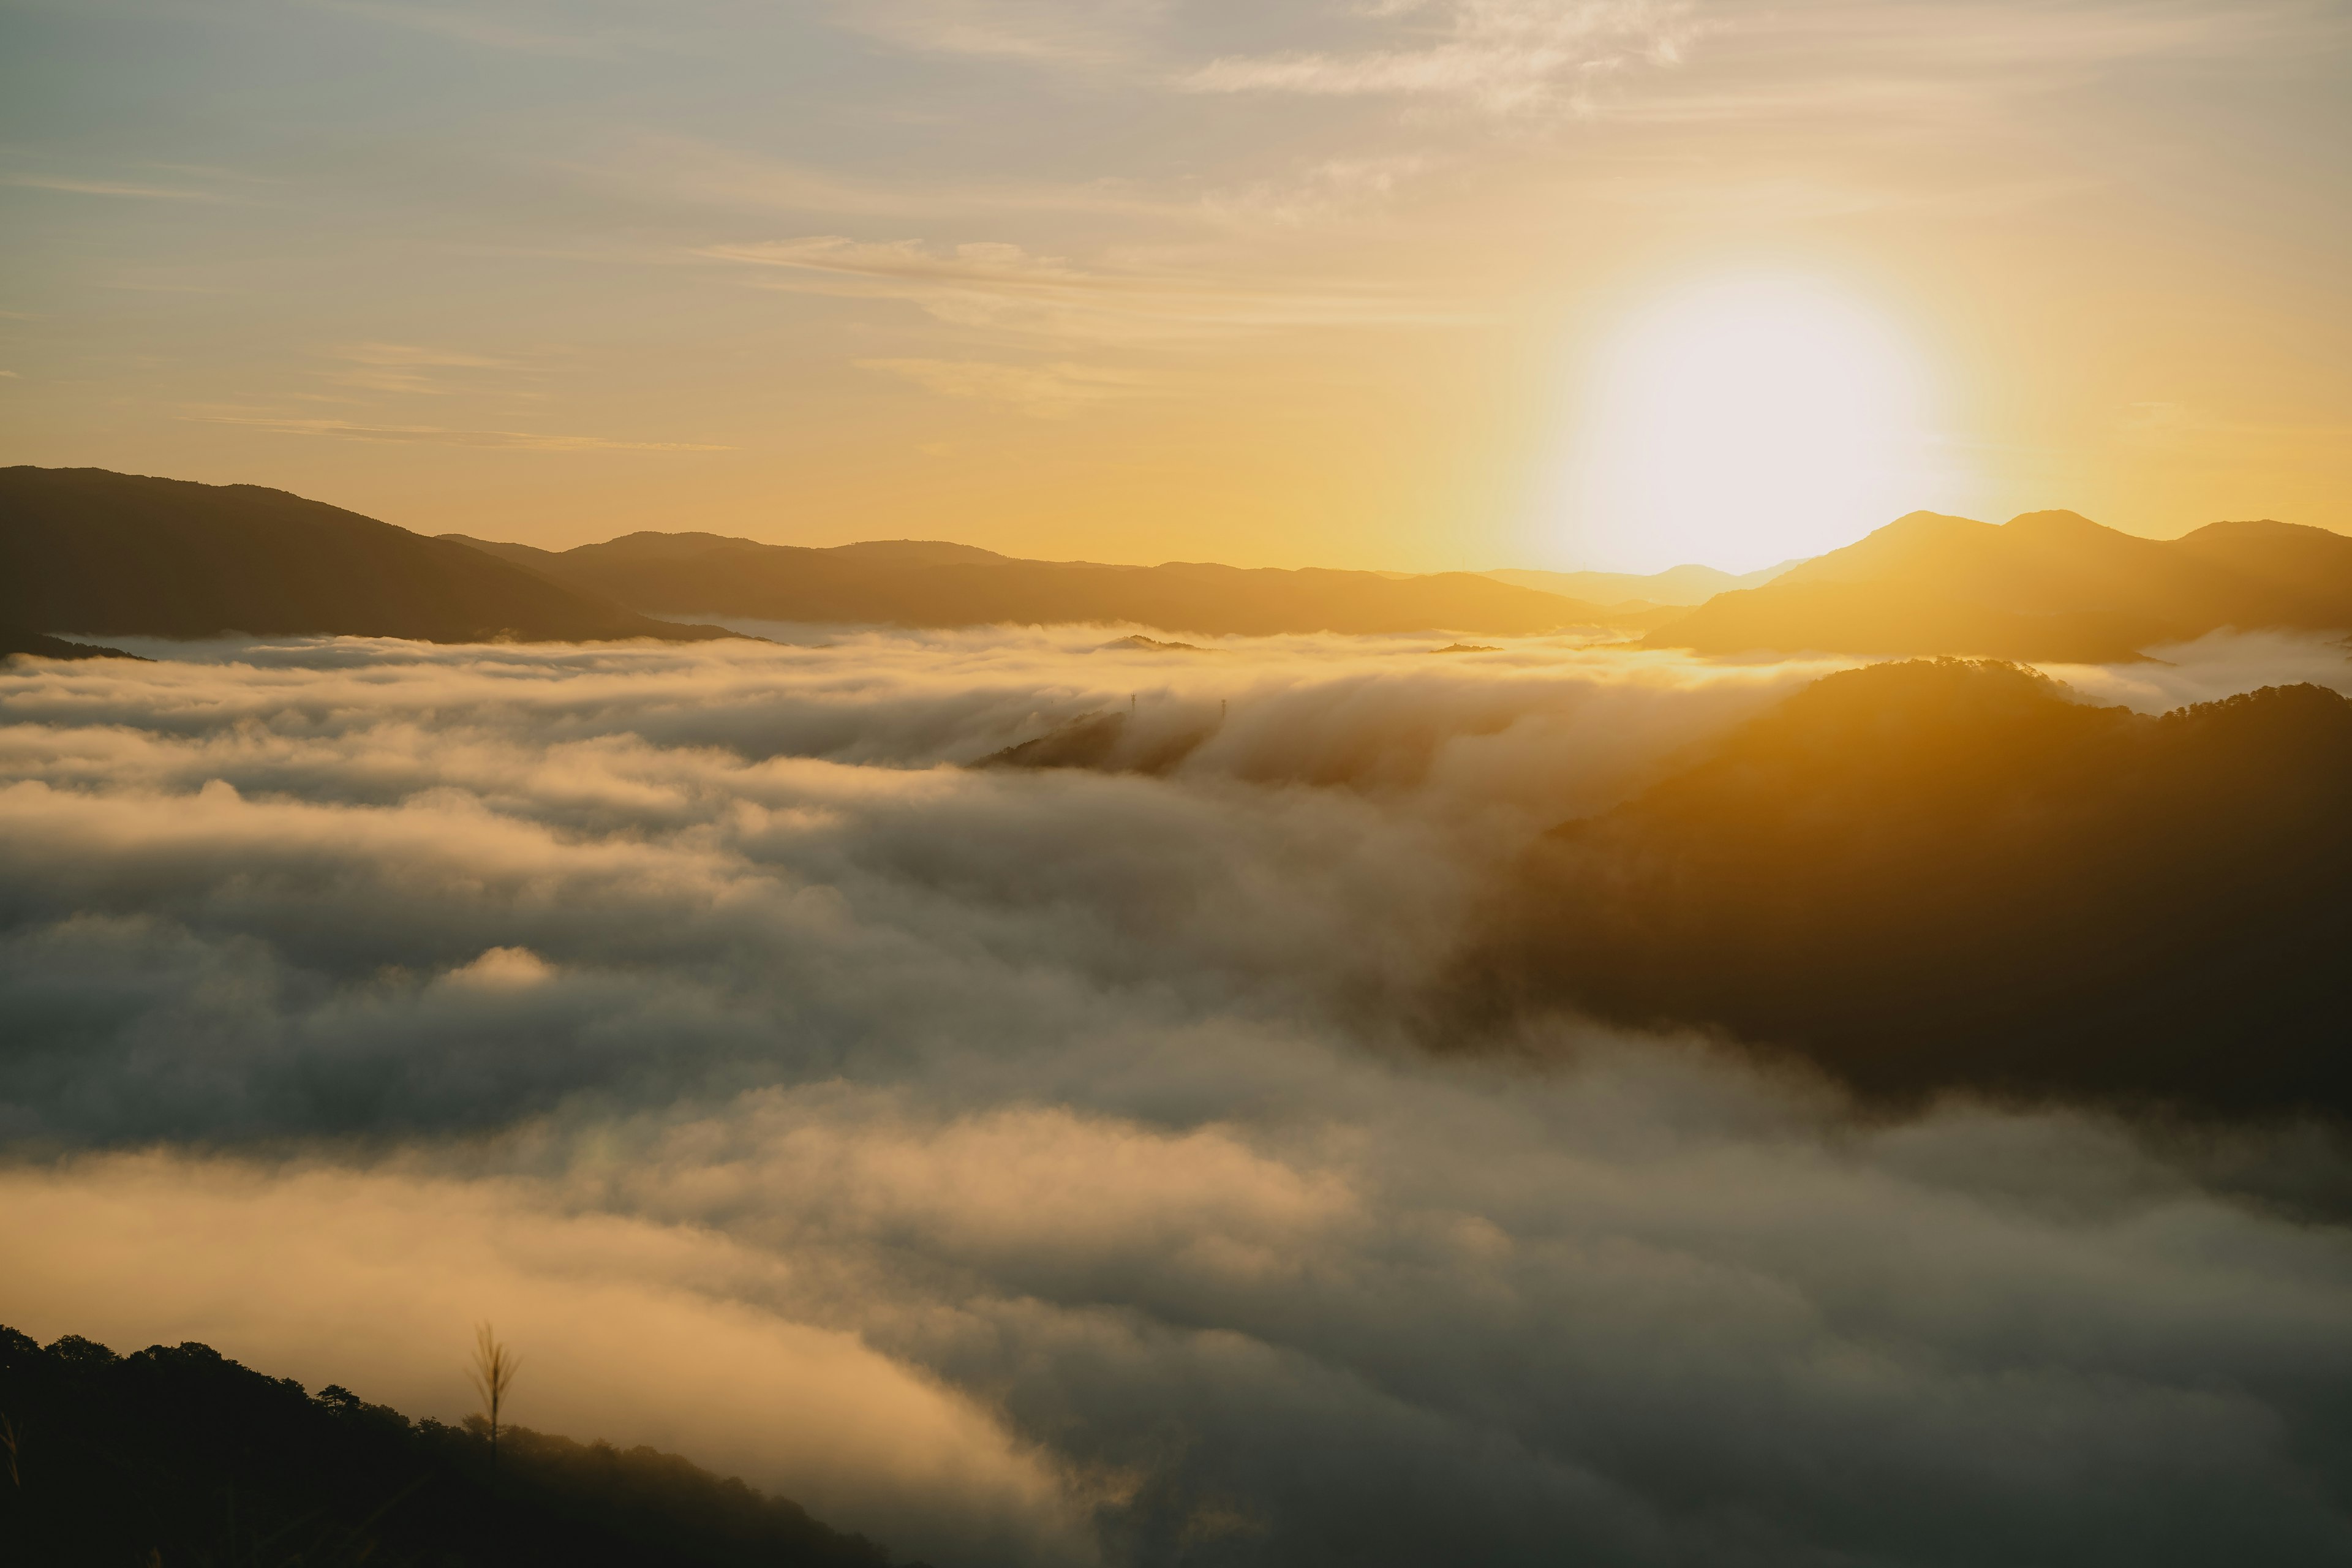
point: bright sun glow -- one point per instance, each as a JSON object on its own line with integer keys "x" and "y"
{"x": 1743, "y": 424}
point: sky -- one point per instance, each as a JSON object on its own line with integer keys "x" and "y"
{"x": 1400, "y": 284}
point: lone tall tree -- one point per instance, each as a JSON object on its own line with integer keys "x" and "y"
{"x": 493, "y": 1374}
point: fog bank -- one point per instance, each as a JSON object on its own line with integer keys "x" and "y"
{"x": 1029, "y": 1166}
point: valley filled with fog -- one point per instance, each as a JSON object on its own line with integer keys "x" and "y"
{"x": 1090, "y": 1163}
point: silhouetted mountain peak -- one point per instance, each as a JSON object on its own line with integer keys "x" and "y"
{"x": 2257, "y": 526}
{"x": 90, "y": 551}
{"x": 930, "y": 582}
{"x": 1628, "y": 591}
{"x": 914, "y": 552}
{"x": 1897, "y": 547}
{"x": 2054, "y": 898}
{"x": 2058, "y": 523}
{"x": 653, "y": 542}
{"x": 2046, "y": 585}
{"x": 1924, "y": 523}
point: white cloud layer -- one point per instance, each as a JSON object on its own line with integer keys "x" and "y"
{"x": 1034, "y": 1167}
{"x": 1502, "y": 57}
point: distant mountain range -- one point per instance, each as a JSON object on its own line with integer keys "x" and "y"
{"x": 88, "y": 553}
{"x": 2046, "y": 586}
{"x": 1675, "y": 585}
{"x": 913, "y": 582}
{"x": 86, "y": 550}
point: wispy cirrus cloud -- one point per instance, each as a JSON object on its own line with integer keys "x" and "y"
{"x": 670, "y": 168}
{"x": 1003, "y": 287}
{"x": 1332, "y": 188}
{"x": 527, "y": 31}
{"x": 405, "y": 367}
{"x": 1499, "y": 56}
{"x": 439, "y": 435}
{"x": 106, "y": 189}
{"x": 1078, "y": 32}
{"x": 1937, "y": 62}
{"x": 1041, "y": 391}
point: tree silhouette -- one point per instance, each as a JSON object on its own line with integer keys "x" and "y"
{"x": 493, "y": 1373}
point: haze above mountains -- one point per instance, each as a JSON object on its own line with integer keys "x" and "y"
{"x": 93, "y": 553}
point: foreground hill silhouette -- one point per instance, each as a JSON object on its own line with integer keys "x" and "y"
{"x": 182, "y": 1453}
{"x": 913, "y": 582}
{"x": 2046, "y": 586}
{"x": 86, "y": 550}
{"x": 1948, "y": 875}
{"x": 15, "y": 640}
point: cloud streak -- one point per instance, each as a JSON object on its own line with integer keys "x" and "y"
{"x": 438, "y": 435}
{"x": 1065, "y": 33}
{"x": 1498, "y": 57}
{"x": 1002, "y": 288}
{"x": 494, "y": 27}
{"x": 1044, "y": 391}
{"x": 106, "y": 189}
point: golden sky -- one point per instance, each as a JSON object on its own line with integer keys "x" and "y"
{"x": 1411, "y": 284}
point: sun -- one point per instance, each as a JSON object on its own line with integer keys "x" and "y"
{"x": 1743, "y": 423}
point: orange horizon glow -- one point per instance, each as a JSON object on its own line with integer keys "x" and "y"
{"x": 1138, "y": 284}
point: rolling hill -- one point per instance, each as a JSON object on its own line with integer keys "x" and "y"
{"x": 176, "y": 1454}
{"x": 2046, "y": 586}
{"x": 912, "y": 583}
{"x": 15, "y": 640}
{"x": 1948, "y": 875}
{"x": 87, "y": 551}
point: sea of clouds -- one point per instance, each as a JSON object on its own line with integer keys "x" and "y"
{"x": 1052, "y": 1166}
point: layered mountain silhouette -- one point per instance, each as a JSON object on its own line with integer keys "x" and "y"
{"x": 86, "y": 550}
{"x": 912, "y": 583}
{"x": 93, "y": 553}
{"x": 2048, "y": 587}
{"x": 1942, "y": 875}
{"x": 1675, "y": 585}
{"x": 177, "y": 1455}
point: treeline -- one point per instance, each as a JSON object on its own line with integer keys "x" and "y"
{"x": 177, "y": 1455}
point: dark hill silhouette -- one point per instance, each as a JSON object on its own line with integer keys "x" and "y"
{"x": 13, "y": 640}
{"x": 1948, "y": 875}
{"x": 83, "y": 550}
{"x": 913, "y": 582}
{"x": 2048, "y": 586}
{"x": 180, "y": 1452}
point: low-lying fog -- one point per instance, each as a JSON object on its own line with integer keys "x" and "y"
{"x": 1031, "y": 1166}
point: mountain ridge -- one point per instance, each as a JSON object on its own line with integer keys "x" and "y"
{"x": 931, "y": 584}
{"x": 2049, "y": 586}
{"x": 1948, "y": 875}
{"x": 128, "y": 1459}
{"x": 94, "y": 551}
{"x": 1685, "y": 585}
